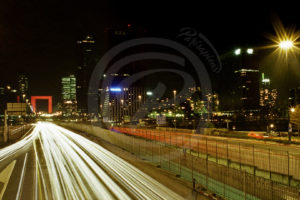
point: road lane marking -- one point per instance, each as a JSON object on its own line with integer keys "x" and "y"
{"x": 36, "y": 172}
{"x": 5, "y": 176}
{"x": 40, "y": 188}
{"x": 22, "y": 178}
{"x": 36, "y": 180}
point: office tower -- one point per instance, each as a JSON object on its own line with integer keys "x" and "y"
{"x": 122, "y": 104}
{"x": 246, "y": 80}
{"x": 86, "y": 65}
{"x": 68, "y": 93}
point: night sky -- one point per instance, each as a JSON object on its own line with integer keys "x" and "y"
{"x": 39, "y": 38}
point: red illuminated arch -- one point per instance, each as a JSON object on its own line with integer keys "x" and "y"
{"x": 49, "y": 98}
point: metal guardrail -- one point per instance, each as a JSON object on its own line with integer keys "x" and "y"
{"x": 14, "y": 132}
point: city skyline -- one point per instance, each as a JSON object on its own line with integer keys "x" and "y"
{"x": 57, "y": 49}
{"x": 149, "y": 100}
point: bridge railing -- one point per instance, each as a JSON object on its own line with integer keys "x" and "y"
{"x": 266, "y": 159}
{"x": 14, "y": 132}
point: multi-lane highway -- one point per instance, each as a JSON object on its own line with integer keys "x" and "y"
{"x": 54, "y": 163}
{"x": 267, "y": 156}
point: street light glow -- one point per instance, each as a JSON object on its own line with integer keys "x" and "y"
{"x": 292, "y": 110}
{"x": 285, "y": 41}
{"x": 250, "y": 51}
{"x": 149, "y": 93}
{"x": 237, "y": 52}
{"x": 286, "y": 44}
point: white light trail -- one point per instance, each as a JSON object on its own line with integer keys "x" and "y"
{"x": 22, "y": 178}
{"x": 19, "y": 146}
{"x": 77, "y": 168}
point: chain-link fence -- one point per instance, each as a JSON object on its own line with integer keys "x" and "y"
{"x": 227, "y": 152}
{"x": 214, "y": 165}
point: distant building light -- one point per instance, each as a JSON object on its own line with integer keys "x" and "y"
{"x": 246, "y": 70}
{"x": 237, "y": 52}
{"x": 149, "y": 93}
{"x": 115, "y": 89}
{"x": 87, "y": 41}
{"x": 250, "y": 51}
{"x": 266, "y": 80}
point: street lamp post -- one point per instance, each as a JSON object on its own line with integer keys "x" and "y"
{"x": 286, "y": 46}
{"x": 174, "y": 92}
{"x": 290, "y": 128}
{"x": 140, "y": 100}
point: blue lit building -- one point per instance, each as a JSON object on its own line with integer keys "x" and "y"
{"x": 121, "y": 105}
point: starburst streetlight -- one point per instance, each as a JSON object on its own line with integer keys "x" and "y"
{"x": 290, "y": 129}
{"x": 285, "y": 40}
{"x": 286, "y": 45}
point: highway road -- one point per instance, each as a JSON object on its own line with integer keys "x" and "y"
{"x": 55, "y": 163}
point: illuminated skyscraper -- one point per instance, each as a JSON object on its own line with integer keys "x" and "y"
{"x": 69, "y": 88}
{"x": 247, "y": 89}
{"x": 246, "y": 80}
{"x": 122, "y": 104}
{"x": 268, "y": 96}
{"x": 69, "y": 93}
{"x": 86, "y": 65}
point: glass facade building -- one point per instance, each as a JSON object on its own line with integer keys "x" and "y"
{"x": 69, "y": 94}
{"x": 68, "y": 88}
